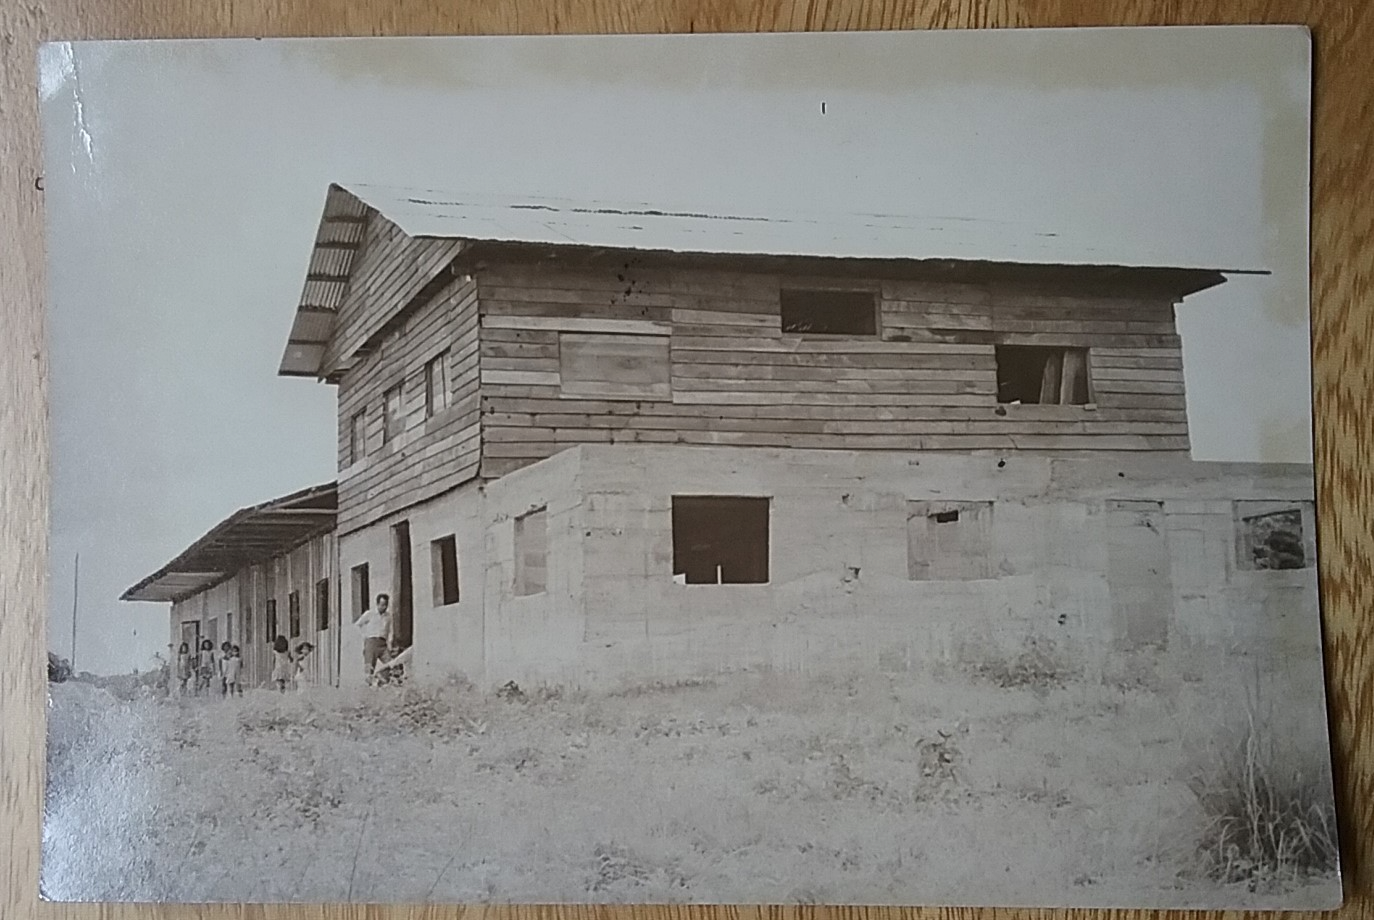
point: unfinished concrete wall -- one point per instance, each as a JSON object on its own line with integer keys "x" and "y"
{"x": 840, "y": 587}
{"x": 448, "y": 639}
{"x": 513, "y": 620}
{"x": 535, "y": 635}
{"x": 1087, "y": 559}
{"x": 1088, "y": 563}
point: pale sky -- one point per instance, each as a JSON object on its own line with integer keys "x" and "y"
{"x": 184, "y": 181}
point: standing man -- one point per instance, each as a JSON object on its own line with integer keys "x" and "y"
{"x": 376, "y": 627}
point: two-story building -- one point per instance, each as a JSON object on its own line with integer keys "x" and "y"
{"x": 581, "y": 444}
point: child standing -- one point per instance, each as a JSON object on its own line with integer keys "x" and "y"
{"x": 183, "y": 666}
{"x": 230, "y": 665}
{"x": 205, "y": 666}
{"x": 281, "y": 662}
{"x": 299, "y": 654}
{"x": 224, "y": 648}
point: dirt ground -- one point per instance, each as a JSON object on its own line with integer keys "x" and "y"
{"x": 943, "y": 788}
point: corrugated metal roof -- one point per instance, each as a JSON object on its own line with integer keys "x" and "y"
{"x": 337, "y": 243}
{"x": 980, "y": 247}
{"x": 661, "y": 227}
{"x": 246, "y": 537}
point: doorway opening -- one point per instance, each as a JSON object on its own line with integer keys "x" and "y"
{"x": 403, "y": 604}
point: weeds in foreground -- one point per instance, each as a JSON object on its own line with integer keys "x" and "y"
{"x": 635, "y": 690}
{"x": 1036, "y": 667}
{"x": 1269, "y": 817}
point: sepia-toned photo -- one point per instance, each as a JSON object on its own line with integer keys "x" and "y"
{"x": 837, "y": 469}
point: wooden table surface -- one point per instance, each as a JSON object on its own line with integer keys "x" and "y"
{"x": 1343, "y": 335}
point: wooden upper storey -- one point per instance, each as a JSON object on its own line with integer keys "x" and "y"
{"x": 702, "y": 356}
{"x": 458, "y": 358}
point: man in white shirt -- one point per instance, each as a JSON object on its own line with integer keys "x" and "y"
{"x": 376, "y": 627}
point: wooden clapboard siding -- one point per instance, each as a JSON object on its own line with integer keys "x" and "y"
{"x": 926, "y": 381}
{"x": 390, "y": 269}
{"x": 430, "y": 455}
{"x": 565, "y": 413}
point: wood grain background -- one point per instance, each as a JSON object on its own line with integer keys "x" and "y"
{"x": 1343, "y": 335}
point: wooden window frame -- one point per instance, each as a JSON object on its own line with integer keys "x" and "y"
{"x": 388, "y": 434}
{"x": 1089, "y": 397}
{"x": 440, "y": 363}
{"x": 357, "y": 436}
{"x": 655, "y": 351}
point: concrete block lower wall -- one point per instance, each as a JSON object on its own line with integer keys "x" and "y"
{"x": 492, "y": 634}
{"x": 1086, "y": 560}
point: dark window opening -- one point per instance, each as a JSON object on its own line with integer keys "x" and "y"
{"x": 1273, "y": 540}
{"x": 271, "y": 619}
{"x": 293, "y": 613}
{"x": 443, "y": 561}
{"x": 1038, "y": 375}
{"x": 720, "y": 540}
{"x": 322, "y": 603}
{"x": 945, "y": 517}
{"x": 830, "y": 312}
{"x": 362, "y": 590}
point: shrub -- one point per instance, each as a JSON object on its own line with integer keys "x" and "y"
{"x": 1269, "y": 817}
{"x": 59, "y": 669}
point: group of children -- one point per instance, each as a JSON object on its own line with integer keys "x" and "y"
{"x": 197, "y": 671}
{"x": 287, "y": 663}
{"x": 204, "y": 666}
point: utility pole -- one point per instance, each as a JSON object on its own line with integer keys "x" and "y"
{"x": 76, "y": 587}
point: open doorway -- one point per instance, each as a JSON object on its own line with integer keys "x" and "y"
{"x": 403, "y": 602}
{"x": 190, "y": 634}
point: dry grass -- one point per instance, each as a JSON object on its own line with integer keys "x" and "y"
{"x": 1038, "y": 666}
{"x": 774, "y": 785}
{"x": 1269, "y": 816}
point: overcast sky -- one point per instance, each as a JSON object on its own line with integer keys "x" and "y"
{"x": 184, "y": 183}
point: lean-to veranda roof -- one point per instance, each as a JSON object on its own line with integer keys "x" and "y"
{"x": 246, "y": 537}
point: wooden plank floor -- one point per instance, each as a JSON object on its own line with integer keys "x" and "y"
{"x": 1343, "y": 261}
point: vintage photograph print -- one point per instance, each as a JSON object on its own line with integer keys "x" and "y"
{"x": 861, "y": 468}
